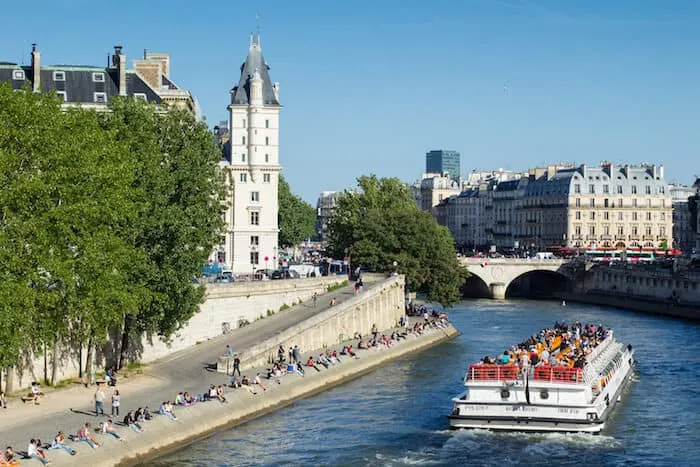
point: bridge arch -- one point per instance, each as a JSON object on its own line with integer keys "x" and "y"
{"x": 538, "y": 283}
{"x": 475, "y": 287}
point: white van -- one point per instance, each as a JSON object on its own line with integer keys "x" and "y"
{"x": 306, "y": 270}
{"x": 544, "y": 255}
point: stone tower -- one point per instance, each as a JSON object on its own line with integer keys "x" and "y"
{"x": 253, "y": 173}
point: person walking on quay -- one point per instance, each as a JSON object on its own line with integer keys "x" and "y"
{"x": 236, "y": 365}
{"x": 229, "y": 358}
{"x": 315, "y": 299}
{"x": 296, "y": 353}
{"x": 99, "y": 401}
{"x": 115, "y": 403}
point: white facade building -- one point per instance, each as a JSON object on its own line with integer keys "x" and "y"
{"x": 252, "y": 168}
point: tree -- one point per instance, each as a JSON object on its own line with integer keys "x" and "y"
{"x": 297, "y": 218}
{"x": 180, "y": 211}
{"x": 380, "y": 224}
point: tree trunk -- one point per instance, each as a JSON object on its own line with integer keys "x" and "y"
{"x": 46, "y": 366}
{"x": 88, "y": 361}
{"x": 124, "y": 349}
{"x": 54, "y": 360}
{"x": 80, "y": 360}
{"x": 10, "y": 380}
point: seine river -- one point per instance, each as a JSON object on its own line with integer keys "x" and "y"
{"x": 396, "y": 415}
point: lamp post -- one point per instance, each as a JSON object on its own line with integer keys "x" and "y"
{"x": 395, "y": 264}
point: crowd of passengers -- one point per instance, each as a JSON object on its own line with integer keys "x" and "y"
{"x": 562, "y": 345}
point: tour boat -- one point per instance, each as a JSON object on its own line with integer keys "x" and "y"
{"x": 546, "y": 398}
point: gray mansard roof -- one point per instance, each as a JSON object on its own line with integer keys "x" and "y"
{"x": 79, "y": 82}
{"x": 254, "y": 61}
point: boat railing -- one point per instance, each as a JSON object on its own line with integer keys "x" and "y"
{"x": 558, "y": 374}
{"x": 600, "y": 347}
{"x": 546, "y": 373}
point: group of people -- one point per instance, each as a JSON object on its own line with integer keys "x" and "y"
{"x": 562, "y": 345}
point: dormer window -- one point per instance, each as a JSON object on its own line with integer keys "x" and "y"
{"x": 100, "y": 97}
{"x": 139, "y": 96}
{"x": 18, "y": 75}
{"x": 62, "y": 95}
{"x": 98, "y": 77}
{"x": 59, "y": 75}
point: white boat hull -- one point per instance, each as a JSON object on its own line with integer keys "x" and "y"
{"x": 539, "y": 416}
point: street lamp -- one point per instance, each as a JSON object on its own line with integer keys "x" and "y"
{"x": 395, "y": 264}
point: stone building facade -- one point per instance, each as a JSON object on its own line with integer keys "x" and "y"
{"x": 608, "y": 206}
{"x": 251, "y": 161}
{"x": 94, "y": 86}
{"x": 683, "y": 232}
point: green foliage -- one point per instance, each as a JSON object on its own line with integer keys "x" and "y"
{"x": 297, "y": 218}
{"x": 339, "y": 285}
{"x": 663, "y": 244}
{"x": 284, "y": 307}
{"x": 380, "y": 224}
{"x": 104, "y": 220}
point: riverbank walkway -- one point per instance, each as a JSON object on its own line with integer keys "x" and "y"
{"x": 187, "y": 370}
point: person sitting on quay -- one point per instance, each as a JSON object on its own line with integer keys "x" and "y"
{"x": 111, "y": 377}
{"x": 248, "y": 385}
{"x": 311, "y": 363}
{"x": 167, "y": 410}
{"x": 34, "y": 394}
{"x": 34, "y": 451}
{"x": 220, "y": 393}
{"x": 143, "y": 414}
{"x": 180, "y": 399}
{"x": 299, "y": 369}
{"x": 333, "y": 301}
{"x": 85, "y": 435}
{"x": 8, "y": 458}
{"x": 107, "y": 429}
{"x": 333, "y": 357}
{"x": 258, "y": 380}
{"x": 59, "y": 442}
{"x": 130, "y": 421}
{"x": 234, "y": 382}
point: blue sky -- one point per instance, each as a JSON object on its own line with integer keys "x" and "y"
{"x": 370, "y": 86}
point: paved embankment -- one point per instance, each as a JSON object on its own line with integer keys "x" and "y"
{"x": 204, "y": 418}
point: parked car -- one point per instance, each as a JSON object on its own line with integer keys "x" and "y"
{"x": 285, "y": 274}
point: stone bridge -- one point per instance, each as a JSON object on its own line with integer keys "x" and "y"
{"x": 499, "y": 273}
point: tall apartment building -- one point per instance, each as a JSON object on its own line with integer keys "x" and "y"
{"x": 566, "y": 206}
{"x": 683, "y": 233}
{"x": 442, "y": 161}
{"x": 324, "y": 210}
{"x": 94, "y": 86}
{"x": 434, "y": 188}
{"x": 252, "y": 167}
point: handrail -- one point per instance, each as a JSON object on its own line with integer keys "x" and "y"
{"x": 552, "y": 374}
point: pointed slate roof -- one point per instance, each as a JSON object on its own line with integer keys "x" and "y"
{"x": 254, "y": 62}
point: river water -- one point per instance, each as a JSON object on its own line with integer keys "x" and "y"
{"x": 396, "y": 415}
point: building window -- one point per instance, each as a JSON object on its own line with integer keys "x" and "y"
{"x": 648, "y": 230}
{"x": 243, "y": 157}
{"x": 662, "y": 189}
{"x": 647, "y": 190}
{"x": 100, "y": 97}
{"x": 242, "y": 139}
{"x": 243, "y": 178}
{"x": 59, "y": 75}
{"x": 663, "y": 203}
{"x": 255, "y": 196}
{"x": 606, "y": 215}
{"x": 254, "y": 218}
{"x": 634, "y": 216}
{"x": 18, "y": 75}
{"x": 663, "y": 216}
{"x": 605, "y": 189}
{"x": 254, "y": 257}
{"x": 606, "y": 230}
{"x": 267, "y": 141}
{"x": 662, "y": 231}
{"x": 578, "y": 215}
{"x": 591, "y": 189}
{"x": 634, "y": 203}
{"x": 98, "y": 77}
{"x": 244, "y": 125}
{"x": 619, "y": 189}
{"x": 619, "y": 216}
{"x": 648, "y": 216}
{"x": 254, "y": 240}
{"x": 605, "y": 203}
{"x": 266, "y": 178}
{"x": 591, "y": 230}
{"x": 267, "y": 158}
{"x": 593, "y": 216}
{"x": 267, "y": 123}
{"x": 634, "y": 230}
{"x": 577, "y": 229}
{"x": 62, "y": 96}
{"x": 577, "y": 188}
{"x": 139, "y": 96}
{"x": 620, "y": 230}
{"x": 634, "y": 189}
{"x": 592, "y": 203}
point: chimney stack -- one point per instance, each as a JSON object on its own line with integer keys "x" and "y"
{"x": 36, "y": 69}
{"x": 661, "y": 172}
{"x": 119, "y": 62}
